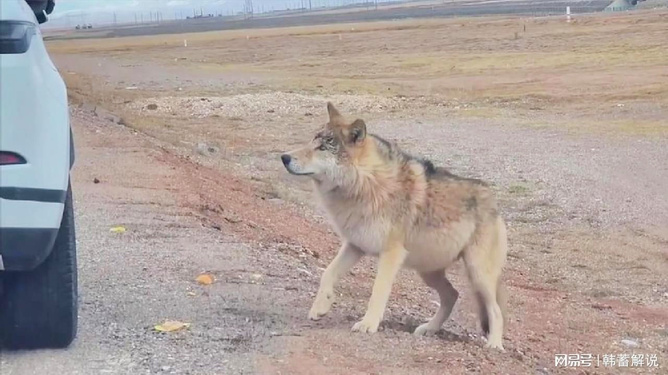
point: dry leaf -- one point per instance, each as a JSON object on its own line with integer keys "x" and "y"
{"x": 118, "y": 229}
{"x": 171, "y": 326}
{"x": 205, "y": 279}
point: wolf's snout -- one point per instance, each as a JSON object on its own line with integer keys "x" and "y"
{"x": 286, "y": 159}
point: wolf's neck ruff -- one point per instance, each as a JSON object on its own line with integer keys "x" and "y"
{"x": 374, "y": 176}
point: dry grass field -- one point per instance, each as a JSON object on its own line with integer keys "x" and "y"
{"x": 568, "y": 121}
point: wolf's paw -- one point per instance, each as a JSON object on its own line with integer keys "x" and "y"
{"x": 425, "y": 330}
{"x": 321, "y": 305}
{"x": 494, "y": 345}
{"x": 366, "y": 326}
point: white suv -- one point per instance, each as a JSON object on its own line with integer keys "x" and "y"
{"x": 38, "y": 268}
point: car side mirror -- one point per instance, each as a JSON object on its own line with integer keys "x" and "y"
{"x": 41, "y": 8}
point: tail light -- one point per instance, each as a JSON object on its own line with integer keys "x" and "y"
{"x": 10, "y": 158}
{"x": 15, "y": 36}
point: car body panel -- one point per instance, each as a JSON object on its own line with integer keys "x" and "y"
{"x": 34, "y": 123}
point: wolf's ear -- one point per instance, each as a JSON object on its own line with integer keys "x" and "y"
{"x": 357, "y": 131}
{"x": 333, "y": 112}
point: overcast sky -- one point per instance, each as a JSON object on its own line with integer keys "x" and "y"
{"x": 72, "y": 12}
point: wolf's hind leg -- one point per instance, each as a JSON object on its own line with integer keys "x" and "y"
{"x": 448, "y": 295}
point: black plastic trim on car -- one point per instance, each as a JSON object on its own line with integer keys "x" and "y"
{"x": 23, "y": 249}
{"x": 71, "y": 149}
{"x": 32, "y": 194}
{"x": 16, "y": 36}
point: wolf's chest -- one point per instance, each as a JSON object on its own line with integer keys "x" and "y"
{"x": 366, "y": 233}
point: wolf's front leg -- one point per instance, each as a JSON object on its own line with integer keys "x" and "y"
{"x": 347, "y": 257}
{"x": 389, "y": 264}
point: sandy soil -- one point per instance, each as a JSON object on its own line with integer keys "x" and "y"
{"x": 575, "y": 149}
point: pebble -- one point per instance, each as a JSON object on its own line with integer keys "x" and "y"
{"x": 630, "y": 343}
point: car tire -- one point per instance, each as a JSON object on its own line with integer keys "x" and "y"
{"x": 39, "y": 308}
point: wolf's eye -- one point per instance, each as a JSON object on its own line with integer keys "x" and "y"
{"x": 326, "y": 143}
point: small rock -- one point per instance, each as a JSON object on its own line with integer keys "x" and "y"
{"x": 152, "y": 107}
{"x": 410, "y": 322}
{"x": 232, "y": 220}
{"x": 88, "y": 107}
{"x": 630, "y": 343}
{"x": 96, "y": 181}
{"x": 205, "y": 150}
{"x": 304, "y": 271}
{"x": 104, "y": 114}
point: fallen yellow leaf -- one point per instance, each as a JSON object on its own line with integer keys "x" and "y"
{"x": 118, "y": 229}
{"x": 171, "y": 326}
{"x": 205, "y": 279}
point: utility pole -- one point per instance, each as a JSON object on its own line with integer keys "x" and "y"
{"x": 249, "y": 8}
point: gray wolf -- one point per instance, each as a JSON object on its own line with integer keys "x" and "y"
{"x": 408, "y": 213}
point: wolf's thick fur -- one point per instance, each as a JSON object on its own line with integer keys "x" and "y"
{"x": 407, "y": 213}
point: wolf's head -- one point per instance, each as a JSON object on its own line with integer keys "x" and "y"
{"x": 332, "y": 153}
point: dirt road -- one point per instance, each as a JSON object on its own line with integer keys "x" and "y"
{"x": 132, "y": 281}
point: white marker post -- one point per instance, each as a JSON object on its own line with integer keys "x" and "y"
{"x": 568, "y": 14}
{"x": 185, "y": 43}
